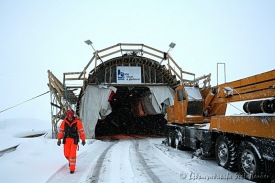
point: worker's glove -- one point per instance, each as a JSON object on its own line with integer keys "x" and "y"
{"x": 58, "y": 142}
{"x": 83, "y": 142}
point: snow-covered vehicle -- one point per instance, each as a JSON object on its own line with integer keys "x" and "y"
{"x": 244, "y": 143}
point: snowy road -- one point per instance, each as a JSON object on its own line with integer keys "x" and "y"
{"x": 141, "y": 160}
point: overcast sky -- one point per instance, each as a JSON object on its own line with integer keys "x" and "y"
{"x": 37, "y": 36}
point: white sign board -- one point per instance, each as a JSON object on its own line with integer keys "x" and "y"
{"x": 128, "y": 75}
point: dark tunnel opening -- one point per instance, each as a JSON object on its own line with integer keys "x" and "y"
{"x": 127, "y": 116}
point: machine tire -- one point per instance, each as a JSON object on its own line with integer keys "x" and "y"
{"x": 173, "y": 143}
{"x": 171, "y": 139}
{"x": 226, "y": 153}
{"x": 178, "y": 139}
{"x": 250, "y": 165}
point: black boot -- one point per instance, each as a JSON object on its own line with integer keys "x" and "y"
{"x": 71, "y": 172}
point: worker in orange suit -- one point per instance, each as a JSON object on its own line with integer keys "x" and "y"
{"x": 71, "y": 129}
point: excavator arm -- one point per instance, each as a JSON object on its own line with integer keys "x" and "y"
{"x": 261, "y": 86}
{"x": 256, "y": 87}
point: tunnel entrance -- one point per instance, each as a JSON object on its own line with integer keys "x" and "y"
{"x": 133, "y": 70}
{"x": 128, "y": 116}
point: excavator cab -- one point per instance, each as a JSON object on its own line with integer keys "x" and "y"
{"x": 188, "y": 105}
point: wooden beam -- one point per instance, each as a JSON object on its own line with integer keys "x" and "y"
{"x": 152, "y": 54}
{"x": 131, "y": 44}
{"x": 114, "y": 52}
{"x": 55, "y": 84}
{"x": 72, "y": 73}
{"x": 187, "y": 72}
{"x": 74, "y": 79}
{"x": 179, "y": 67}
{"x": 86, "y": 67}
{"x": 56, "y": 95}
{"x": 107, "y": 48}
{"x": 179, "y": 75}
{"x": 153, "y": 49}
{"x": 54, "y": 79}
{"x": 138, "y": 50}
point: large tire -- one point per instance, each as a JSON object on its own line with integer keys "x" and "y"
{"x": 178, "y": 139}
{"x": 171, "y": 138}
{"x": 226, "y": 153}
{"x": 173, "y": 143}
{"x": 250, "y": 165}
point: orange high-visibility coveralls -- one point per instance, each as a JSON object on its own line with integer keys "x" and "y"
{"x": 70, "y": 145}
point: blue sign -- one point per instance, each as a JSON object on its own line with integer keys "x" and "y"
{"x": 120, "y": 75}
{"x": 128, "y": 75}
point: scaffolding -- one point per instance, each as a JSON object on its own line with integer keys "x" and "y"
{"x": 63, "y": 97}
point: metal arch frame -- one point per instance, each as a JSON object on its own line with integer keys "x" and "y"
{"x": 149, "y": 68}
{"x": 145, "y": 51}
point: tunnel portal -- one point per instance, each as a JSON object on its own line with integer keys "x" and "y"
{"x": 143, "y": 88}
{"x": 131, "y": 114}
{"x": 110, "y": 101}
{"x": 128, "y": 116}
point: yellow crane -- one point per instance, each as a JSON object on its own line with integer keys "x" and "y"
{"x": 244, "y": 142}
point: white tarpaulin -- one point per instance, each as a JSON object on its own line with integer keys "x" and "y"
{"x": 161, "y": 93}
{"x": 156, "y": 102}
{"x": 94, "y": 102}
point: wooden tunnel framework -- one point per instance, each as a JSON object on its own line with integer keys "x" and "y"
{"x": 67, "y": 95}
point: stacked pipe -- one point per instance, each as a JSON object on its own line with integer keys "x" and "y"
{"x": 261, "y": 106}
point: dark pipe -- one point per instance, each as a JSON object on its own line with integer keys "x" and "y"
{"x": 261, "y": 106}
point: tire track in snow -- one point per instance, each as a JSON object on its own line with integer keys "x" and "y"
{"x": 118, "y": 165}
{"x": 96, "y": 173}
{"x": 146, "y": 167}
{"x": 160, "y": 168}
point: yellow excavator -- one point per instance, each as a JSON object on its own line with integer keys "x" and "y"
{"x": 244, "y": 142}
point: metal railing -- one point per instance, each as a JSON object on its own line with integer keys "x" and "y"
{"x": 143, "y": 50}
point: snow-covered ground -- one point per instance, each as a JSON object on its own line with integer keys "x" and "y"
{"x": 39, "y": 159}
